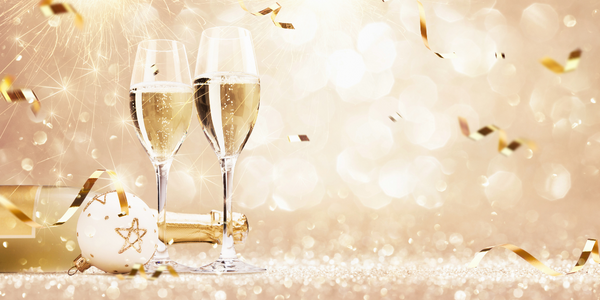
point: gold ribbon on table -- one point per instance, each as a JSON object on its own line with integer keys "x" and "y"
{"x": 139, "y": 268}
{"x": 503, "y": 147}
{"x": 590, "y": 249}
{"x": 87, "y": 186}
{"x": 423, "y": 23}
{"x": 49, "y": 9}
{"x": 571, "y": 65}
{"x": 273, "y": 10}
{"x": 16, "y": 95}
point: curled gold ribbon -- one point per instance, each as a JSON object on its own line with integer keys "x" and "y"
{"x": 273, "y": 10}
{"x": 590, "y": 249}
{"x": 16, "y": 95}
{"x": 139, "y": 268}
{"x": 503, "y": 147}
{"x": 49, "y": 9}
{"x": 571, "y": 64}
{"x": 19, "y": 214}
{"x": 298, "y": 138}
{"x": 424, "y": 33}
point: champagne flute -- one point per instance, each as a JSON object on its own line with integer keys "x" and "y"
{"x": 227, "y": 95}
{"x": 160, "y": 101}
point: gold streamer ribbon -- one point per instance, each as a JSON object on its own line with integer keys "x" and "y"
{"x": 49, "y": 9}
{"x": 424, "y": 33}
{"x": 273, "y": 10}
{"x": 503, "y": 147}
{"x": 139, "y": 268}
{"x": 590, "y": 249}
{"x": 76, "y": 203}
{"x": 499, "y": 54}
{"x": 15, "y": 95}
{"x": 571, "y": 65}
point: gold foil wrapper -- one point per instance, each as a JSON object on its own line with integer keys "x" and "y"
{"x": 503, "y": 147}
{"x": 273, "y": 10}
{"x": 590, "y": 249}
{"x": 423, "y": 25}
{"x": 298, "y": 138}
{"x": 17, "y": 95}
{"x": 571, "y": 65}
{"x": 205, "y": 228}
{"x": 18, "y": 212}
{"x": 49, "y": 9}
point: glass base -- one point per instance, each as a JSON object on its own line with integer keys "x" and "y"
{"x": 152, "y": 265}
{"x": 229, "y": 266}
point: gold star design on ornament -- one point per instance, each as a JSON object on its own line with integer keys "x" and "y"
{"x": 138, "y": 235}
{"x": 97, "y": 198}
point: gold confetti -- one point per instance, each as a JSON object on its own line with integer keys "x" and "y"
{"x": 503, "y": 147}
{"x": 49, "y": 9}
{"x": 154, "y": 69}
{"x": 590, "y": 248}
{"x": 395, "y": 117}
{"x": 500, "y": 54}
{"x": 298, "y": 138}
{"x": 16, "y": 95}
{"x": 424, "y": 33}
{"x": 76, "y": 203}
{"x": 273, "y": 9}
{"x": 139, "y": 268}
{"x": 555, "y": 67}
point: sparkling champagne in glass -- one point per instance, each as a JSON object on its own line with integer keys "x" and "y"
{"x": 160, "y": 101}
{"x": 227, "y": 96}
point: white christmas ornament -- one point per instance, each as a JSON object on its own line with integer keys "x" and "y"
{"x": 112, "y": 243}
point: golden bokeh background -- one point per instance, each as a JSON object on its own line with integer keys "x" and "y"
{"x": 365, "y": 191}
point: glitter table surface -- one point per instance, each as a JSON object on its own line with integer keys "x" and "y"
{"x": 495, "y": 279}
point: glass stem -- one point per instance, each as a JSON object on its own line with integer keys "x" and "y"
{"x": 227, "y": 248}
{"x": 162, "y": 175}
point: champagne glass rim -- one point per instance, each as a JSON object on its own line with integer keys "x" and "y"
{"x": 206, "y": 32}
{"x": 179, "y": 45}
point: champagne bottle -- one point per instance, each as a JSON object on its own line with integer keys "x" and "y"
{"x": 52, "y": 249}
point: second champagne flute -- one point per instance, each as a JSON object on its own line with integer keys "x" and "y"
{"x": 227, "y": 95}
{"x": 160, "y": 101}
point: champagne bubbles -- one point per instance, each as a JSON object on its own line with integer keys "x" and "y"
{"x": 84, "y": 117}
{"x": 110, "y": 99}
{"x": 140, "y": 181}
{"x": 40, "y": 138}
{"x": 552, "y": 181}
{"x": 505, "y": 189}
{"x": 569, "y": 20}
{"x": 347, "y": 68}
{"x": 539, "y": 22}
{"x": 27, "y": 164}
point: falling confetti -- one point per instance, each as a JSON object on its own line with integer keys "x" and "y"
{"x": 49, "y": 9}
{"x": 298, "y": 138}
{"x": 154, "y": 69}
{"x": 571, "y": 65}
{"x": 15, "y": 95}
{"x": 503, "y": 147}
{"x": 590, "y": 248}
{"x": 395, "y": 117}
{"x": 424, "y": 33}
{"x": 273, "y": 9}
{"x": 500, "y": 54}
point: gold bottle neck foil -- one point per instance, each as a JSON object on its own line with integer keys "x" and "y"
{"x": 200, "y": 228}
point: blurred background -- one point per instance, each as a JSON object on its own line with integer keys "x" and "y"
{"x": 365, "y": 190}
